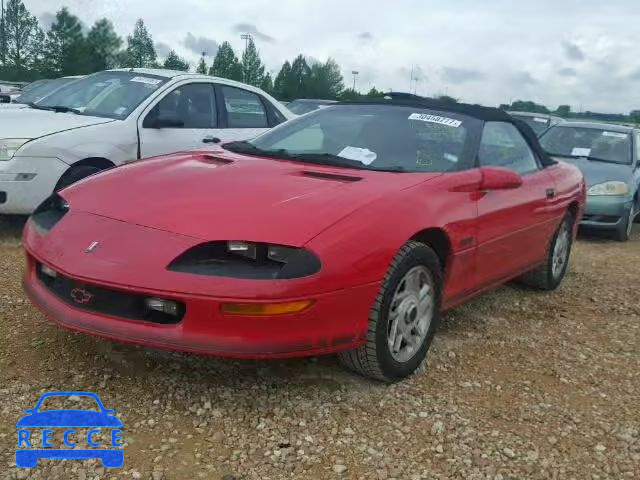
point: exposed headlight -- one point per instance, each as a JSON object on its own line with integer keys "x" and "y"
{"x": 243, "y": 259}
{"x": 50, "y": 212}
{"x": 608, "y": 188}
{"x": 9, "y": 147}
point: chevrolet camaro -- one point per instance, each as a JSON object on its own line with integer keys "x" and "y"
{"x": 348, "y": 230}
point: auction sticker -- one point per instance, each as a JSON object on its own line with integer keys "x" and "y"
{"x": 580, "y": 152}
{"x": 425, "y": 117}
{"x": 147, "y": 80}
{"x": 539, "y": 120}
{"x": 614, "y": 134}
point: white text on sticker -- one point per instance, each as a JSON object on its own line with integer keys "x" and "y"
{"x": 614, "y": 134}
{"x": 147, "y": 80}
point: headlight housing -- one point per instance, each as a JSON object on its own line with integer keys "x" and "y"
{"x": 9, "y": 147}
{"x": 608, "y": 188}
{"x": 248, "y": 260}
{"x": 50, "y": 212}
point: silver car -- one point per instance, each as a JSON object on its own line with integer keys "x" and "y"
{"x": 608, "y": 156}
{"x": 539, "y": 122}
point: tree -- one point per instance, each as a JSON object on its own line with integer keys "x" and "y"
{"x": 267, "y": 84}
{"x": 202, "y": 66}
{"x": 140, "y": 49}
{"x": 325, "y": 80}
{"x": 447, "y": 99}
{"x": 23, "y": 39}
{"x": 281, "y": 83}
{"x": 374, "y": 93}
{"x": 174, "y": 62}
{"x": 252, "y": 66}
{"x": 528, "y": 106}
{"x": 226, "y": 64}
{"x": 350, "y": 94}
{"x": 564, "y": 111}
{"x": 65, "y": 46}
{"x": 103, "y": 45}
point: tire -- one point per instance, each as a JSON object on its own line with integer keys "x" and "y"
{"x": 401, "y": 311}
{"x": 623, "y": 232}
{"x": 546, "y": 276}
{"x": 75, "y": 174}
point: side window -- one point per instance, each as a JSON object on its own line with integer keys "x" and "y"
{"x": 189, "y": 106}
{"x": 244, "y": 109}
{"x": 504, "y": 146}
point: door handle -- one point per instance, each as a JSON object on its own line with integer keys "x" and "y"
{"x": 551, "y": 192}
{"x": 211, "y": 140}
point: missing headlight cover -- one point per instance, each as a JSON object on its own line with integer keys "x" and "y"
{"x": 248, "y": 260}
{"x": 50, "y": 212}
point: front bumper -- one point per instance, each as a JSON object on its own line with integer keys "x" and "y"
{"x": 337, "y": 321}
{"x": 20, "y": 197}
{"x": 606, "y": 212}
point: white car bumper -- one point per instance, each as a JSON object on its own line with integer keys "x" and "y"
{"x": 25, "y": 182}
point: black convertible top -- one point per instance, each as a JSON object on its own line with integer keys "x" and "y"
{"x": 486, "y": 114}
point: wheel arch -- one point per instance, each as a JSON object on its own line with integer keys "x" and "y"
{"x": 439, "y": 241}
{"x": 98, "y": 162}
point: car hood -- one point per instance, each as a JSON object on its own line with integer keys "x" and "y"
{"x": 12, "y": 106}
{"x": 224, "y": 196}
{"x": 32, "y": 123}
{"x": 595, "y": 172}
{"x": 69, "y": 418}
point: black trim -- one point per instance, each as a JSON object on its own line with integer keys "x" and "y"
{"x": 223, "y": 119}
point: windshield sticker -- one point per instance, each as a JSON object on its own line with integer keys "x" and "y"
{"x": 424, "y": 117}
{"x": 363, "y": 155}
{"x": 614, "y": 134}
{"x": 120, "y": 110}
{"x": 580, "y": 152}
{"x": 147, "y": 80}
{"x": 540, "y": 120}
{"x": 451, "y": 157}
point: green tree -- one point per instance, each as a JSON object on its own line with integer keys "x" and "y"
{"x": 447, "y": 99}
{"x": 174, "y": 62}
{"x": 141, "y": 52}
{"x": 298, "y": 86}
{"x": 324, "y": 80}
{"x": 281, "y": 84}
{"x": 564, "y": 111}
{"x": 252, "y": 66}
{"x": 350, "y": 94}
{"x": 528, "y": 106}
{"x": 202, "y": 66}
{"x": 374, "y": 93}
{"x": 23, "y": 38}
{"x": 226, "y": 64}
{"x": 103, "y": 45}
{"x": 65, "y": 46}
{"x": 267, "y": 84}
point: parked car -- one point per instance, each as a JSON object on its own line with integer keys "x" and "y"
{"x": 539, "y": 122}
{"x": 36, "y": 91}
{"x": 306, "y": 105}
{"x": 345, "y": 230}
{"x": 118, "y": 116}
{"x": 609, "y": 157}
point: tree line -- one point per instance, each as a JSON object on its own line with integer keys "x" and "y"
{"x": 29, "y": 53}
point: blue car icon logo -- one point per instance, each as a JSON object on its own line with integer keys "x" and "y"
{"x": 32, "y": 447}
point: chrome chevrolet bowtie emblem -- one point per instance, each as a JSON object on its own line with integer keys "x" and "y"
{"x": 92, "y": 247}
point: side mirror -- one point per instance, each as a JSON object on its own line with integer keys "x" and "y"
{"x": 496, "y": 178}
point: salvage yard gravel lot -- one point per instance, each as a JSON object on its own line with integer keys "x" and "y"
{"x": 519, "y": 384}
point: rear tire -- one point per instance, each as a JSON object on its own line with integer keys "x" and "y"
{"x": 75, "y": 174}
{"x": 549, "y": 275}
{"x": 403, "y": 319}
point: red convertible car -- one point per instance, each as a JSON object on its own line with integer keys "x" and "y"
{"x": 348, "y": 230}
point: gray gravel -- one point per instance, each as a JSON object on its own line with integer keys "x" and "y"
{"x": 519, "y": 384}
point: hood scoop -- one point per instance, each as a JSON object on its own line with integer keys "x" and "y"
{"x": 205, "y": 157}
{"x": 331, "y": 176}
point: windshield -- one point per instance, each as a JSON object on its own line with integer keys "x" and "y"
{"x": 374, "y": 137}
{"x": 105, "y": 94}
{"x": 538, "y": 124}
{"x": 300, "y": 108}
{"x": 594, "y": 143}
{"x": 44, "y": 88}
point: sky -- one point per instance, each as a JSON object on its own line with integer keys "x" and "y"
{"x": 584, "y": 53}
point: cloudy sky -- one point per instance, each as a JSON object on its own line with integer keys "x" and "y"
{"x": 581, "y": 52}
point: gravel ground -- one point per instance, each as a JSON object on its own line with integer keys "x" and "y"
{"x": 519, "y": 384}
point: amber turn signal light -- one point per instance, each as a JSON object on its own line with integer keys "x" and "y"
{"x": 265, "y": 309}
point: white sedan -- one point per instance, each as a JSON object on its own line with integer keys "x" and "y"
{"x": 118, "y": 116}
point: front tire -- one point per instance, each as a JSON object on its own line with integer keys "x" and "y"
{"x": 623, "y": 232}
{"x": 75, "y": 174}
{"x": 403, "y": 319}
{"x": 550, "y": 274}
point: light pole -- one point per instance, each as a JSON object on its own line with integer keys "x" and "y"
{"x": 355, "y": 73}
{"x": 247, "y": 37}
{"x": 3, "y": 40}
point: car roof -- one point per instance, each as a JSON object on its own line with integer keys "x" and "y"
{"x": 313, "y": 100}
{"x": 476, "y": 111}
{"x": 612, "y": 127}
{"x": 529, "y": 114}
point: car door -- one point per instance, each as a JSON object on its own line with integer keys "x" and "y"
{"x": 185, "y": 118}
{"x": 514, "y": 226}
{"x": 245, "y": 114}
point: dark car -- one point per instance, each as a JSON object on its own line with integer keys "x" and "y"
{"x": 539, "y": 122}
{"x": 608, "y": 157}
{"x": 306, "y": 105}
